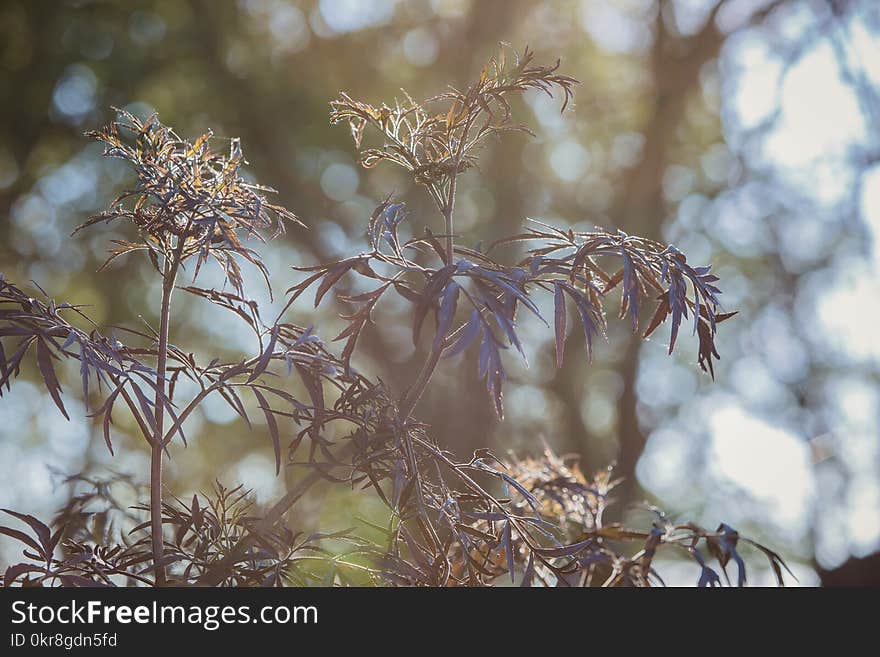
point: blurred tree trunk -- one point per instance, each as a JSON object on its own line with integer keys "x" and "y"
{"x": 640, "y": 208}
{"x": 21, "y": 131}
{"x": 853, "y": 572}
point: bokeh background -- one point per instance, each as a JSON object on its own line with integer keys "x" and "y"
{"x": 746, "y": 132}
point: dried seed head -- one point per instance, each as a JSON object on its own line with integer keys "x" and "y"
{"x": 436, "y": 146}
{"x": 187, "y": 196}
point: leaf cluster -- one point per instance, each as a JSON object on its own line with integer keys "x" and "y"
{"x": 202, "y": 534}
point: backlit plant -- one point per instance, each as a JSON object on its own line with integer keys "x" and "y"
{"x": 452, "y": 521}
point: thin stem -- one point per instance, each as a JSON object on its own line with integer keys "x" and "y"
{"x": 449, "y": 206}
{"x": 450, "y": 224}
{"x": 416, "y": 391}
{"x": 158, "y": 443}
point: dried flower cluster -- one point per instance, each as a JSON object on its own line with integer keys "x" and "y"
{"x": 434, "y": 146}
{"x": 452, "y": 521}
{"x": 187, "y": 196}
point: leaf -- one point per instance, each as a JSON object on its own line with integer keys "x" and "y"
{"x": 266, "y": 356}
{"x": 315, "y": 389}
{"x": 162, "y": 398}
{"x": 84, "y": 377}
{"x": 427, "y": 299}
{"x": 659, "y": 315}
{"x": 566, "y": 550}
{"x": 630, "y": 299}
{"x": 435, "y": 244}
{"x": 21, "y": 536}
{"x": 588, "y": 314}
{"x": 42, "y": 531}
{"x": 500, "y": 315}
{"x": 146, "y": 406}
{"x": 466, "y": 336}
{"x": 17, "y": 570}
{"x": 446, "y": 314}
{"x": 559, "y": 321}
{"x": 229, "y": 301}
{"x": 490, "y": 368}
{"x": 776, "y": 562}
{"x": 44, "y": 362}
{"x": 708, "y": 578}
{"x": 473, "y": 531}
{"x": 272, "y": 423}
{"x": 612, "y": 282}
{"x": 529, "y": 573}
{"x": 230, "y": 397}
{"x": 507, "y": 286}
{"x": 533, "y": 501}
{"x": 706, "y": 348}
{"x": 507, "y": 546}
{"x": 107, "y": 410}
{"x": 71, "y": 336}
{"x": 330, "y": 279}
